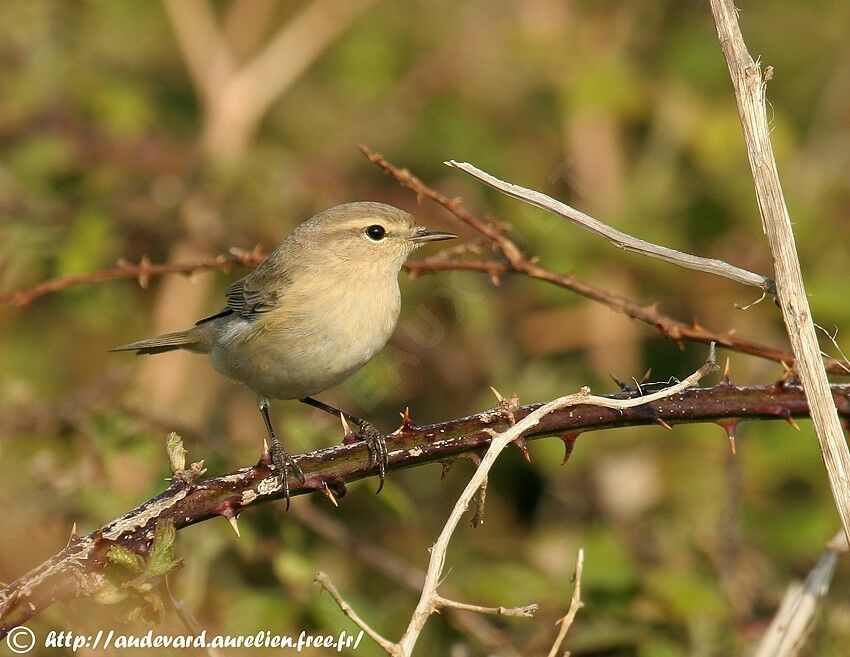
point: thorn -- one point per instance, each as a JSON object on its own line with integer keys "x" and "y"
{"x": 569, "y": 439}
{"x": 507, "y": 406}
{"x": 266, "y": 456}
{"x": 781, "y": 411}
{"x": 523, "y": 448}
{"x": 73, "y": 538}
{"x": 646, "y": 375}
{"x": 729, "y": 426}
{"x": 348, "y": 436}
{"x": 475, "y": 458}
{"x": 337, "y": 487}
{"x": 231, "y": 518}
{"x": 326, "y": 491}
{"x": 499, "y": 397}
{"x": 725, "y": 380}
{"x": 789, "y": 376}
{"x": 622, "y": 386}
{"x": 346, "y": 430}
{"x": 406, "y": 422}
{"x": 663, "y": 423}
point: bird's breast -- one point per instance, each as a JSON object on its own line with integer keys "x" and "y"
{"x": 319, "y": 335}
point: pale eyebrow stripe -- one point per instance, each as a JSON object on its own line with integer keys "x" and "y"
{"x": 357, "y": 225}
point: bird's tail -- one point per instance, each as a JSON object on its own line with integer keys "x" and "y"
{"x": 191, "y": 340}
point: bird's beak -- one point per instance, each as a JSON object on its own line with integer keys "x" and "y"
{"x": 422, "y": 234}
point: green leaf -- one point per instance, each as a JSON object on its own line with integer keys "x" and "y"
{"x": 128, "y": 560}
{"x": 162, "y": 559}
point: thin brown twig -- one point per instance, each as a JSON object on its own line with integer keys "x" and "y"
{"x": 525, "y": 611}
{"x": 518, "y": 262}
{"x": 325, "y": 582}
{"x": 492, "y": 639}
{"x": 143, "y": 272}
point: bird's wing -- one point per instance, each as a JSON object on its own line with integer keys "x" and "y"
{"x": 256, "y": 293}
{"x": 247, "y": 299}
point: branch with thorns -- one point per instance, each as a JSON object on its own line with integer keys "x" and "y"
{"x": 430, "y": 601}
{"x": 77, "y": 570}
{"x": 514, "y": 262}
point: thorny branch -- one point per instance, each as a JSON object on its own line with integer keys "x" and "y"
{"x": 78, "y": 569}
{"x": 143, "y": 272}
{"x": 429, "y": 601}
{"x": 516, "y": 262}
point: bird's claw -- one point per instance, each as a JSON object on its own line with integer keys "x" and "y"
{"x": 376, "y": 442}
{"x": 284, "y": 464}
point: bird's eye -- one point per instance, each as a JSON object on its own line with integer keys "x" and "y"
{"x": 376, "y": 233}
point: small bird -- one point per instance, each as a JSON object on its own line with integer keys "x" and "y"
{"x": 315, "y": 311}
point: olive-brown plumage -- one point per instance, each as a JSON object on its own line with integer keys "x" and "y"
{"x": 315, "y": 311}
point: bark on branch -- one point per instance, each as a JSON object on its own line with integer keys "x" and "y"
{"x": 78, "y": 569}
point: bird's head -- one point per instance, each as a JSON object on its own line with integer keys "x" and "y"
{"x": 366, "y": 234}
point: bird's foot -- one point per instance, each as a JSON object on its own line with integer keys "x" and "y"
{"x": 376, "y": 442}
{"x": 284, "y": 464}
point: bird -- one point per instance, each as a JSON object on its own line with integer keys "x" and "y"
{"x": 316, "y": 310}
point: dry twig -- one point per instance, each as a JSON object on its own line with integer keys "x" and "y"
{"x": 618, "y": 238}
{"x": 325, "y": 582}
{"x": 492, "y": 639}
{"x": 749, "y": 85}
{"x": 428, "y": 602}
{"x": 575, "y": 604}
{"x": 143, "y": 272}
{"x": 788, "y": 630}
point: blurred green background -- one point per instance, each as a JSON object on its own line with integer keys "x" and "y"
{"x": 109, "y": 149}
